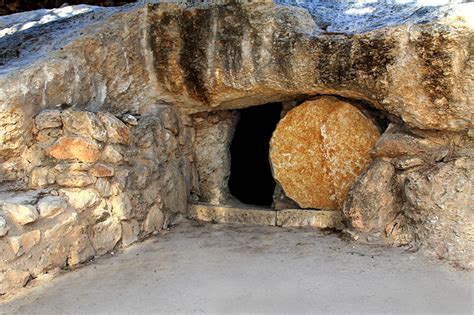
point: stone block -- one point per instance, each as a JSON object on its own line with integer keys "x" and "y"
{"x": 80, "y": 251}
{"x": 75, "y": 148}
{"x": 228, "y": 214}
{"x": 154, "y": 219}
{"x": 75, "y": 179}
{"x": 101, "y": 170}
{"x": 105, "y": 235}
{"x": 117, "y": 131}
{"x": 130, "y": 231}
{"x": 81, "y": 199}
{"x": 310, "y": 218}
{"x": 111, "y": 154}
{"x": 48, "y": 119}
{"x": 21, "y": 213}
{"x": 51, "y": 206}
{"x": 121, "y": 206}
{"x": 84, "y": 123}
{"x": 104, "y": 187}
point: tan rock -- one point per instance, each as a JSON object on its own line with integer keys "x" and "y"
{"x": 316, "y": 156}
{"x": 154, "y": 220}
{"x": 312, "y": 218}
{"x": 105, "y": 235}
{"x": 20, "y": 212}
{"x": 72, "y": 148}
{"x": 117, "y": 131}
{"x": 372, "y": 203}
{"x": 121, "y": 206}
{"x": 110, "y": 154}
{"x": 39, "y": 177}
{"x": 80, "y": 251}
{"x": 48, "y": 119}
{"x": 101, "y": 170}
{"x": 75, "y": 179}
{"x": 130, "y": 231}
{"x": 81, "y": 199}
{"x": 84, "y": 123}
{"x": 103, "y": 186}
{"x": 51, "y": 206}
{"x": 12, "y": 280}
{"x": 24, "y": 243}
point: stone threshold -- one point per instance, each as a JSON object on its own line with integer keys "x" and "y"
{"x": 323, "y": 219}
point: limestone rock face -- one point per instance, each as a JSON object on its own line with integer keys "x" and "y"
{"x": 319, "y": 148}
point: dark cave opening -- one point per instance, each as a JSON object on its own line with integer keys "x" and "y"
{"x": 251, "y": 180}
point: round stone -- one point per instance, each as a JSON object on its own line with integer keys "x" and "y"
{"x": 319, "y": 148}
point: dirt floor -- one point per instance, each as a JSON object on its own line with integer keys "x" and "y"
{"x": 205, "y": 268}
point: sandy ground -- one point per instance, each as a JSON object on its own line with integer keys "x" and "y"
{"x": 231, "y": 269}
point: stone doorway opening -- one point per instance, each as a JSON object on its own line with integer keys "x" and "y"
{"x": 251, "y": 180}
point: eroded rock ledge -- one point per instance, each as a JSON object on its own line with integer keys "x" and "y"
{"x": 104, "y": 117}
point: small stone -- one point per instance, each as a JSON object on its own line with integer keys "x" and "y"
{"x": 71, "y": 148}
{"x": 101, "y": 170}
{"x": 105, "y": 235}
{"x": 130, "y": 119}
{"x": 48, "y": 119}
{"x": 404, "y": 163}
{"x": 81, "y": 250}
{"x": 21, "y": 213}
{"x": 12, "y": 280}
{"x": 51, "y": 206}
{"x": 85, "y": 124}
{"x": 48, "y": 135}
{"x": 103, "y": 187}
{"x": 121, "y": 206}
{"x": 81, "y": 199}
{"x": 117, "y": 131}
{"x": 111, "y": 155}
{"x": 154, "y": 220}
{"x": 75, "y": 179}
{"x": 39, "y": 177}
{"x": 24, "y": 243}
{"x": 3, "y": 226}
{"x": 130, "y": 231}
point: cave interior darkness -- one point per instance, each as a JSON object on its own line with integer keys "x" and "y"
{"x": 251, "y": 180}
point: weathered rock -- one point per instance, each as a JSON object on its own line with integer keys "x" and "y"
{"x": 105, "y": 235}
{"x": 20, "y": 211}
{"x": 48, "y": 119}
{"x": 51, "y": 206}
{"x": 372, "y": 202}
{"x": 75, "y": 179}
{"x": 154, "y": 220}
{"x": 104, "y": 188}
{"x": 101, "y": 170}
{"x": 84, "y": 123}
{"x": 130, "y": 231}
{"x": 228, "y": 214}
{"x": 111, "y": 155}
{"x": 404, "y": 163}
{"x": 81, "y": 250}
{"x": 121, "y": 206}
{"x": 81, "y": 199}
{"x": 12, "y": 280}
{"x": 440, "y": 210}
{"x": 211, "y": 146}
{"x": 117, "y": 131}
{"x": 75, "y": 148}
{"x": 24, "y": 243}
{"x": 4, "y": 228}
{"x": 311, "y": 218}
{"x": 130, "y": 119}
{"x": 316, "y": 157}
{"x": 40, "y": 177}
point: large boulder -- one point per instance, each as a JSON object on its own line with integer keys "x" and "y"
{"x": 319, "y": 148}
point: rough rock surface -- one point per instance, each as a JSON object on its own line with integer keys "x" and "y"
{"x": 319, "y": 148}
{"x": 99, "y": 106}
